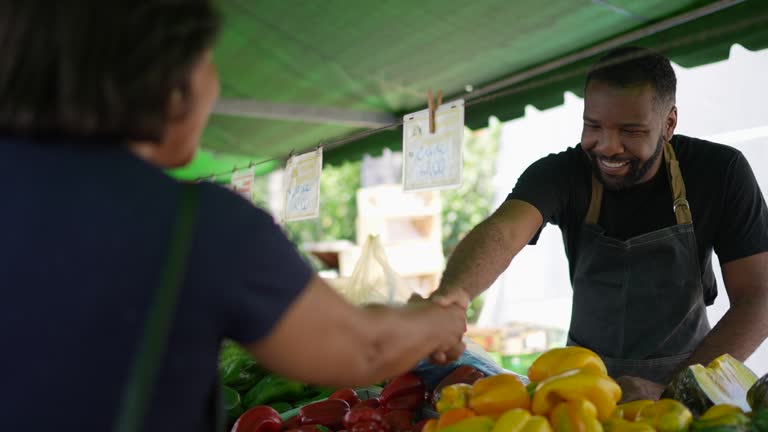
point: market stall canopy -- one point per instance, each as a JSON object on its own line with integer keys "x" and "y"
{"x": 296, "y": 74}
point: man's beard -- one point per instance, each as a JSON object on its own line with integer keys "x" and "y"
{"x": 634, "y": 175}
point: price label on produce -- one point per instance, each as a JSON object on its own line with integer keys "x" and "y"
{"x": 433, "y": 160}
{"x": 242, "y": 182}
{"x": 302, "y": 191}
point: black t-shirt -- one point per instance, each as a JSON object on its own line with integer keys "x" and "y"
{"x": 728, "y": 208}
{"x": 83, "y": 238}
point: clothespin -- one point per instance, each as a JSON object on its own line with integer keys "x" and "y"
{"x": 433, "y": 107}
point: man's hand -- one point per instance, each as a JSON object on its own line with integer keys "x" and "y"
{"x": 457, "y": 298}
{"x": 634, "y": 388}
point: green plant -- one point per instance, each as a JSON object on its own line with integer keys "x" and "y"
{"x": 470, "y": 204}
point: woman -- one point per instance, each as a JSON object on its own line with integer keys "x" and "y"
{"x": 101, "y": 250}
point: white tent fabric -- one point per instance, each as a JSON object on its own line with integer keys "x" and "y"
{"x": 724, "y": 102}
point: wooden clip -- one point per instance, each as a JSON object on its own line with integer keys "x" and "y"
{"x": 433, "y": 107}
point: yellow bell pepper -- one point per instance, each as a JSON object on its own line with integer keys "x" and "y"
{"x": 575, "y": 416}
{"x": 430, "y": 426}
{"x": 722, "y": 417}
{"x": 497, "y": 394}
{"x": 454, "y": 416}
{"x": 615, "y": 424}
{"x": 472, "y": 424}
{"x": 453, "y": 396}
{"x": 512, "y": 421}
{"x": 666, "y": 415}
{"x": 719, "y": 411}
{"x": 537, "y": 424}
{"x": 559, "y": 360}
{"x": 630, "y": 410}
{"x": 579, "y": 384}
{"x": 520, "y": 420}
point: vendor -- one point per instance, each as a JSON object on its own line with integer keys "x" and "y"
{"x": 641, "y": 210}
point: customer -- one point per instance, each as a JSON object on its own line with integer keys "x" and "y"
{"x": 96, "y": 99}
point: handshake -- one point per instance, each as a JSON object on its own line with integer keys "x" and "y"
{"x": 447, "y": 314}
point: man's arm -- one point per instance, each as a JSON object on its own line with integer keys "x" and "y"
{"x": 487, "y": 251}
{"x": 745, "y": 326}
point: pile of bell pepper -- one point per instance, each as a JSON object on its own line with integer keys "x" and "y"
{"x": 397, "y": 409}
{"x": 570, "y": 391}
{"x": 245, "y": 384}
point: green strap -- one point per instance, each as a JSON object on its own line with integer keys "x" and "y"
{"x": 138, "y": 393}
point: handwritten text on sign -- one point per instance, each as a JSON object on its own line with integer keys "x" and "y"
{"x": 302, "y": 193}
{"x": 433, "y": 160}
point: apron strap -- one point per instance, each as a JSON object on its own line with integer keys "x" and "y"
{"x": 595, "y": 202}
{"x": 138, "y": 393}
{"x": 680, "y": 207}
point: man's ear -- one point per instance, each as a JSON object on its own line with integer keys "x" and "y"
{"x": 670, "y": 123}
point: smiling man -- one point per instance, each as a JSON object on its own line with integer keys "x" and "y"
{"x": 641, "y": 211}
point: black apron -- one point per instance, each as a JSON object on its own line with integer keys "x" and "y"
{"x": 639, "y": 303}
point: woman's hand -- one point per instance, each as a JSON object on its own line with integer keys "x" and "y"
{"x": 455, "y": 299}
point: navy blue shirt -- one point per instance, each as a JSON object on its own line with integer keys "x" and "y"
{"x": 83, "y": 238}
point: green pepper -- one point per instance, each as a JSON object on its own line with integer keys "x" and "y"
{"x": 232, "y": 403}
{"x": 273, "y": 388}
{"x": 281, "y": 407}
{"x": 237, "y": 369}
{"x": 313, "y": 395}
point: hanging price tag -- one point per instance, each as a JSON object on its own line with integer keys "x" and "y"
{"x": 242, "y": 182}
{"x": 302, "y": 192}
{"x": 433, "y": 160}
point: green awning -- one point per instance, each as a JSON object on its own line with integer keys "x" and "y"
{"x": 340, "y": 58}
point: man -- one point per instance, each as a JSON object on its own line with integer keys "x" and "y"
{"x": 641, "y": 211}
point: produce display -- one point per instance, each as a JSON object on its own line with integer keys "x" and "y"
{"x": 569, "y": 391}
{"x": 245, "y": 385}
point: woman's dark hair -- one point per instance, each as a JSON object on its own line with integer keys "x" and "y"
{"x": 98, "y": 68}
{"x": 630, "y": 66}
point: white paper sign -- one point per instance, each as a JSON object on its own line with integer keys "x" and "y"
{"x": 433, "y": 161}
{"x": 242, "y": 182}
{"x": 302, "y": 192}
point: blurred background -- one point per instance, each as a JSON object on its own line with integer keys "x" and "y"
{"x": 528, "y": 309}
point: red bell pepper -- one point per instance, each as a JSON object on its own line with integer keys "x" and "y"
{"x": 418, "y": 427}
{"x": 362, "y": 415}
{"x": 346, "y": 394}
{"x": 327, "y": 413}
{"x": 309, "y": 428}
{"x": 292, "y": 423}
{"x": 368, "y": 403}
{"x": 259, "y": 419}
{"x": 464, "y": 374}
{"x": 369, "y": 426}
{"x": 399, "y": 420}
{"x": 403, "y": 393}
